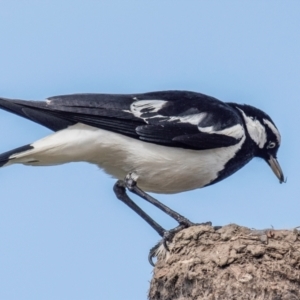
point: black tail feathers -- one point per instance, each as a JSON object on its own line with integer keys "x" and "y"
{"x": 5, "y": 157}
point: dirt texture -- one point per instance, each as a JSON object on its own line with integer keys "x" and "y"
{"x": 233, "y": 262}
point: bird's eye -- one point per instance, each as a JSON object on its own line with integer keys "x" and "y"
{"x": 271, "y": 145}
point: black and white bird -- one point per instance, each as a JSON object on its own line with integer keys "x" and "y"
{"x": 161, "y": 142}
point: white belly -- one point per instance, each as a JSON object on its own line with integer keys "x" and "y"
{"x": 160, "y": 169}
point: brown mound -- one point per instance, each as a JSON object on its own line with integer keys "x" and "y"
{"x": 233, "y": 262}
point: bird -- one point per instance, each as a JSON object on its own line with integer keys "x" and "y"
{"x": 162, "y": 142}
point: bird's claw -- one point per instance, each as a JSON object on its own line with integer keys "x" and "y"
{"x": 167, "y": 237}
{"x": 153, "y": 252}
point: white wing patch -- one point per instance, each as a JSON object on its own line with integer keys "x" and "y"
{"x": 151, "y": 105}
{"x": 274, "y": 130}
{"x": 256, "y": 130}
{"x": 192, "y": 119}
{"x": 236, "y": 131}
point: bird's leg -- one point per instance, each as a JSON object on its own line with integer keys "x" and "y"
{"x": 130, "y": 182}
{"x": 120, "y": 191}
{"x": 167, "y": 235}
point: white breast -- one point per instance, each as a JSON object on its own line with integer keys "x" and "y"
{"x": 160, "y": 169}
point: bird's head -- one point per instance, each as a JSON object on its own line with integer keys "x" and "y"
{"x": 265, "y": 136}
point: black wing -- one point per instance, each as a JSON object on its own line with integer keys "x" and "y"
{"x": 170, "y": 118}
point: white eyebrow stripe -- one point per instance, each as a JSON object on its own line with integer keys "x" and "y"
{"x": 274, "y": 129}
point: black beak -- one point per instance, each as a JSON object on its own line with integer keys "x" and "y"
{"x": 273, "y": 163}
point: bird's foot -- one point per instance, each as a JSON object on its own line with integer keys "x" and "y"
{"x": 162, "y": 248}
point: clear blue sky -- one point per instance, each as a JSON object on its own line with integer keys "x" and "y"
{"x": 63, "y": 234}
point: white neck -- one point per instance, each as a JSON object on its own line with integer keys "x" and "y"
{"x": 255, "y": 129}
